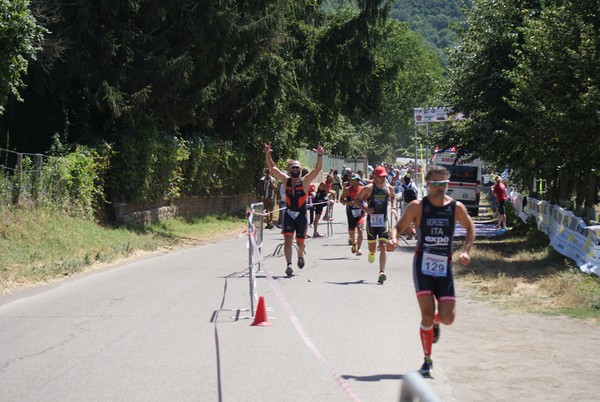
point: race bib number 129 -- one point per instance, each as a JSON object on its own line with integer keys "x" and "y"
{"x": 434, "y": 265}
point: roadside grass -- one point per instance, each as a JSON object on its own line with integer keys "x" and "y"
{"x": 521, "y": 271}
{"x": 41, "y": 245}
{"x": 203, "y": 229}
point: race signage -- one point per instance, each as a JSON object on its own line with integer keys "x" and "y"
{"x": 435, "y": 115}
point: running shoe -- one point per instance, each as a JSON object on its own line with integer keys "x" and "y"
{"x": 427, "y": 367}
{"x": 358, "y": 252}
{"x": 353, "y": 248}
{"x": 300, "y": 262}
{"x": 436, "y": 332}
{"x": 289, "y": 271}
{"x": 381, "y": 278}
{"x": 316, "y": 236}
{"x": 371, "y": 257}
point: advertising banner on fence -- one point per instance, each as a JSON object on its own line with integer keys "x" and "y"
{"x": 568, "y": 234}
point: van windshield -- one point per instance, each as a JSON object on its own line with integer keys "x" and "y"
{"x": 465, "y": 174}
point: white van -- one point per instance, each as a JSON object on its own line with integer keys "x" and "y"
{"x": 465, "y": 179}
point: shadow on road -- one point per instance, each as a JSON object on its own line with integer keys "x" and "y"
{"x": 374, "y": 377}
{"x": 359, "y": 282}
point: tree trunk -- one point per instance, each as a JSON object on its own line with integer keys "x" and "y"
{"x": 591, "y": 195}
{"x": 565, "y": 189}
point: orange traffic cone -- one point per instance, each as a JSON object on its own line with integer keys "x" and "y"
{"x": 260, "y": 318}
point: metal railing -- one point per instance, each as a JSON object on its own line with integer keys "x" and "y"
{"x": 415, "y": 387}
{"x": 253, "y": 231}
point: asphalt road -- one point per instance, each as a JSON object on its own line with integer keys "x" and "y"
{"x": 175, "y": 327}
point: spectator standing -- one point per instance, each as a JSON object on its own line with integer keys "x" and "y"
{"x": 364, "y": 181}
{"x": 345, "y": 172}
{"x": 409, "y": 193}
{"x": 500, "y": 194}
{"x": 337, "y": 185}
{"x": 280, "y": 195}
{"x": 347, "y": 177}
{"x": 321, "y": 202}
{"x": 329, "y": 181}
{"x": 266, "y": 187}
{"x": 312, "y": 191}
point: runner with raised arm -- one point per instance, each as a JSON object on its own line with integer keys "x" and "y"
{"x": 296, "y": 193}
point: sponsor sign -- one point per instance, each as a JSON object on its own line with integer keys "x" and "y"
{"x": 435, "y": 114}
{"x": 569, "y": 234}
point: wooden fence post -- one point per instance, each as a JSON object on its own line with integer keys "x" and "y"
{"x": 37, "y": 176}
{"x": 17, "y": 179}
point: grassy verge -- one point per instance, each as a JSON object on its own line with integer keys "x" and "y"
{"x": 520, "y": 271}
{"x": 43, "y": 245}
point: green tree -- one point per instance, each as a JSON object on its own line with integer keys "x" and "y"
{"x": 556, "y": 92}
{"x": 373, "y": 71}
{"x": 479, "y": 84}
{"x": 526, "y": 78}
{"x": 416, "y": 81}
{"x": 19, "y": 42}
{"x": 153, "y": 77}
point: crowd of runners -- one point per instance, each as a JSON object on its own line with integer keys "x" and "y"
{"x": 431, "y": 219}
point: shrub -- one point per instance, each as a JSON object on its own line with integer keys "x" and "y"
{"x": 159, "y": 167}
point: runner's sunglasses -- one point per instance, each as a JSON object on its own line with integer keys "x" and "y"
{"x": 438, "y": 183}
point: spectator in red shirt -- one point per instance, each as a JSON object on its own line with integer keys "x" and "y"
{"x": 500, "y": 194}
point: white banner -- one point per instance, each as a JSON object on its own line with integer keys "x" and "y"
{"x": 569, "y": 234}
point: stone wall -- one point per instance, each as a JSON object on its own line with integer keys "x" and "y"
{"x": 145, "y": 214}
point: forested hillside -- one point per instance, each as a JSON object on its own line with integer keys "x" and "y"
{"x": 436, "y": 20}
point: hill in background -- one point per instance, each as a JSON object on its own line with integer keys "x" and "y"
{"x": 436, "y": 20}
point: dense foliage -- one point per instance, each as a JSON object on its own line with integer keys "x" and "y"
{"x": 177, "y": 89}
{"x": 527, "y": 78}
{"x": 71, "y": 181}
{"x": 19, "y": 36}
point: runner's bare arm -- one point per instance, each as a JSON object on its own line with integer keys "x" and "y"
{"x": 466, "y": 222}
{"x": 361, "y": 196}
{"x": 272, "y": 168}
{"x": 344, "y": 196}
{"x": 306, "y": 180}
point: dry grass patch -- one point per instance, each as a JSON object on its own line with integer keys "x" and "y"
{"x": 40, "y": 245}
{"x": 518, "y": 271}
